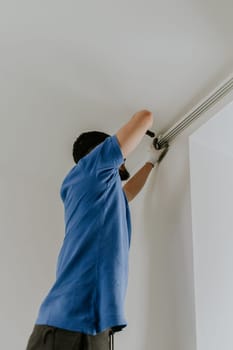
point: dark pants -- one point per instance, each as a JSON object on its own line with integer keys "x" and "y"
{"x": 44, "y": 337}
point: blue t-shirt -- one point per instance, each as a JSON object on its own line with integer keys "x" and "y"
{"x": 89, "y": 291}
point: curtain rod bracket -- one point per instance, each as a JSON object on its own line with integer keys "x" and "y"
{"x": 156, "y": 142}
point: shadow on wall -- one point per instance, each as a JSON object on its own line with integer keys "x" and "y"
{"x": 170, "y": 322}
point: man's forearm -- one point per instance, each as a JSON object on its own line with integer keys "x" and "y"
{"x": 135, "y": 184}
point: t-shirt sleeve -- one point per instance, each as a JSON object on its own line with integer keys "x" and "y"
{"x": 109, "y": 153}
{"x": 106, "y": 155}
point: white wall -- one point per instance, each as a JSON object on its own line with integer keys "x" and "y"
{"x": 211, "y": 157}
{"x": 35, "y": 155}
{"x": 67, "y": 67}
{"x": 161, "y": 299}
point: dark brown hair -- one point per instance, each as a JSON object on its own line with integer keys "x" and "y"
{"x": 85, "y": 142}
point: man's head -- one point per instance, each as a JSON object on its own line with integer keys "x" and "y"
{"x": 89, "y": 140}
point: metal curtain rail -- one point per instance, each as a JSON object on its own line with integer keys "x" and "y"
{"x": 175, "y": 130}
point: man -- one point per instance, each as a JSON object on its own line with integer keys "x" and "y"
{"x": 85, "y": 306}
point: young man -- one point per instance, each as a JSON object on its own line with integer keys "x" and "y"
{"x": 85, "y": 305}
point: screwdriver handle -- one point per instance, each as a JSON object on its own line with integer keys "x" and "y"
{"x": 150, "y": 133}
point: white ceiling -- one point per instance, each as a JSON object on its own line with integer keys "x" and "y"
{"x": 70, "y": 66}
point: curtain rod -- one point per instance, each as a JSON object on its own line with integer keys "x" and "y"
{"x": 162, "y": 140}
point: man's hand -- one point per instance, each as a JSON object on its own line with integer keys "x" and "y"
{"x": 135, "y": 184}
{"x": 156, "y": 156}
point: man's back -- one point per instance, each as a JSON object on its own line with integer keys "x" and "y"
{"x": 92, "y": 268}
